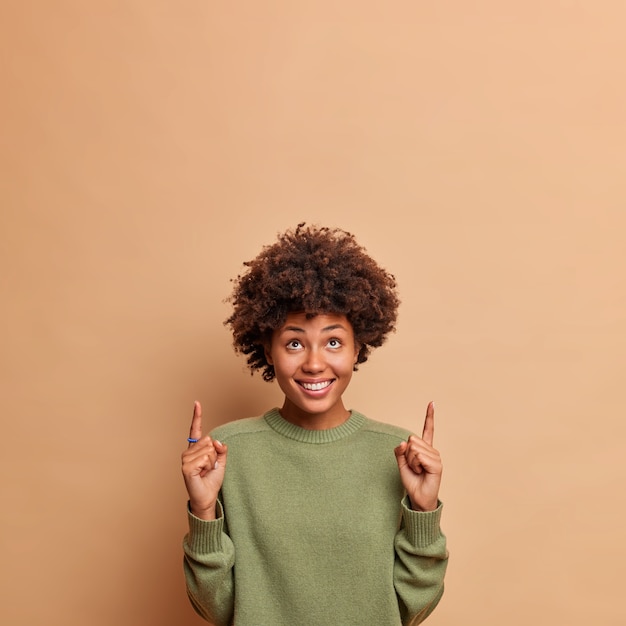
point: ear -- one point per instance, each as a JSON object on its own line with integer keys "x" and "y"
{"x": 357, "y": 349}
{"x": 268, "y": 353}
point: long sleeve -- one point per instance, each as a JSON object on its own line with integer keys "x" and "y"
{"x": 420, "y": 565}
{"x": 208, "y": 562}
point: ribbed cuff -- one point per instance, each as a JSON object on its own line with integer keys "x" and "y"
{"x": 421, "y": 527}
{"x": 205, "y": 535}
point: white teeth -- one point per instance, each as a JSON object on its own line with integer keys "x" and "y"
{"x": 316, "y": 386}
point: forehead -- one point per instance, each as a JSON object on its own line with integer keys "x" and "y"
{"x": 315, "y": 323}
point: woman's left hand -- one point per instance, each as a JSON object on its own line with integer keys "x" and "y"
{"x": 420, "y": 466}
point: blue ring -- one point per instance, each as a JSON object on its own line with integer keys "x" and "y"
{"x": 191, "y": 440}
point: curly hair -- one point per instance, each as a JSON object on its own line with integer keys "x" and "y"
{"x": 316, "y": 270}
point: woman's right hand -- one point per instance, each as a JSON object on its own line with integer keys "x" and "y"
{"x": 204, "y": 464}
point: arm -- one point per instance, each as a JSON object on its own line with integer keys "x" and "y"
{"x": 209, "y": 552}
{"x": 420, "y": 564}
{"x": 421, "y": 554}
{"x": 208, "y": 565}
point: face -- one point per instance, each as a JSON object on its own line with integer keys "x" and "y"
{"x": 313, "y": 361}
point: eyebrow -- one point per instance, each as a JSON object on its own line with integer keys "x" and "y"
{"x": 297, "y": 329}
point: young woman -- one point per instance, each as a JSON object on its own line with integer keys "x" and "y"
{"x": 313, "y": 514}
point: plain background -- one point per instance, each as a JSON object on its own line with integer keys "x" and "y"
{"x": 476, "y": 149}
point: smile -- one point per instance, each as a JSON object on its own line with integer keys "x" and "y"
{"x": 316, "y": 386}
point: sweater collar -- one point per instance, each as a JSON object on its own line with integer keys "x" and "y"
{"x": 291, "y": 431}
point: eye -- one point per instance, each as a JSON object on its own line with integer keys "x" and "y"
{"x": 294, "y": 344}
{"x": 334, "y": 343}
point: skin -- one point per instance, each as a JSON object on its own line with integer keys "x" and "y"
{"x": 204, "y": 465}
{"x": 420, "y": 466}
{"x": 318, "y": 351}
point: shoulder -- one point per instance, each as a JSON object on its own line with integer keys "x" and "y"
{"x": 385, "y": 430}
{"x": 245, "y": 426}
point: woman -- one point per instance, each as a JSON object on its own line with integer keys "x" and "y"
{"x": 313, "y": 513}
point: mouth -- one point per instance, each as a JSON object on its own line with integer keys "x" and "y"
{"x": 318, "y": 386}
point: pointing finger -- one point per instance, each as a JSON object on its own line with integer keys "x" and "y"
{"x": 195, "y": 432}
{"x": 429, "y": 424}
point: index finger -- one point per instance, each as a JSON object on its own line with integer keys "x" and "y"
{"x": 195, "y": 432}
{"x": 429, "y": 424}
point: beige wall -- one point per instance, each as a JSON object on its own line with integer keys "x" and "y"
{"x": 477, "y": 149}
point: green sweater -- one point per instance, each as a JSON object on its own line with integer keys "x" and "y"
{"x": 313, "y": 529}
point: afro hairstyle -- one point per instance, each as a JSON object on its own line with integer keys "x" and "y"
{"x": 315, "y": 270}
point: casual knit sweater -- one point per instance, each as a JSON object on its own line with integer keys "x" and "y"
{"x": 314, "y": 529}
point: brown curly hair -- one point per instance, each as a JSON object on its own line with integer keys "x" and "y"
{"x": 316, "y": 270}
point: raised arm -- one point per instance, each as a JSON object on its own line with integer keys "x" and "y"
{"x": 209, "y": 552}
{"x": 420, "y": 546}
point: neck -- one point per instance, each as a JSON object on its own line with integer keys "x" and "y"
{"x": 314, "y": 421}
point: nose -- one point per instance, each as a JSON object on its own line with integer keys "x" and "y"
{"x": 314, "y": 361}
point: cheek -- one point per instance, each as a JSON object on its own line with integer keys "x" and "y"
{"x": 284, "y": 364}
{"x": 345, "y": 365}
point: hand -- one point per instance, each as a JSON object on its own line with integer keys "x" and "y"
{"x": 204, "y": 463}
{"x": 420, "y": 466}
